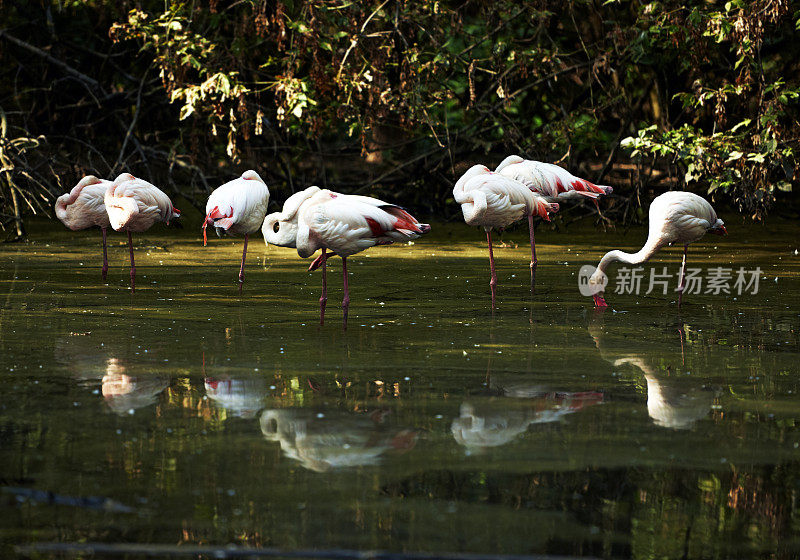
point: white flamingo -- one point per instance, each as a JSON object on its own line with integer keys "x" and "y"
{"x": 83, "y": 207}
{"x": 134, "y": 205}
{"x": 494, "y": 201}
{"x": 549, "y": 180}
{"x": 675, "y": 217}
{"x": 343, "y": 224}
{"x": 238, "y": 207}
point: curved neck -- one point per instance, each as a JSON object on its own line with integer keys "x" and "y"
{"x": 473, "y": 206}
{"x": 306, "y": 243}
{"x": 650, "y": 247}
{"x": 61, "y": 207}
{"x": 65, "y": 200}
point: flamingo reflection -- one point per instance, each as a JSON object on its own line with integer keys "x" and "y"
{"x": 500, "y": 421}
{"x": 91, "y": 360}
{"x": 323, "y": 441}
{"x": 672, "y": 402}
{"x": 125, "y": 393}
{"x": 242, "y": 397}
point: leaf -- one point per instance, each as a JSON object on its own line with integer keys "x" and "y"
{"x": 784, "y": 186}
{"x": 186, "y": 110}
{"x": 745, "y": 122}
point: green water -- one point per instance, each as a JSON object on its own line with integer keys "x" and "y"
{"x": 201, "y": 417}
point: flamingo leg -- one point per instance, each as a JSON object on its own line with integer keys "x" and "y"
{"x": 323, "y": 299}
{"x": 682, "y": 282}
{"x": 133, "y": 266}
{"x": 241, "y": 268}
{"x": 493, "y": 281}
{"x": 346, "y": 300}
{"x": 534, "y": 260}
{"x": 105, "y": 254}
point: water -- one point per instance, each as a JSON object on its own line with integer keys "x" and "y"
{"x": 186, "y": 414}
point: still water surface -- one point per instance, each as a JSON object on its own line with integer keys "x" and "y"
{"x": 186, "y": 414}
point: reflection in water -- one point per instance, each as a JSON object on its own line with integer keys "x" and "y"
{"x": 242, "y": 397}
{"x": 493, "y": 423}
{"x": 124, "y": 393}
{"x": 90, "y": 361}
{"x": 334, "y": 439}
{"x": 671, "y": 404}
{"x": 672, "y": 401}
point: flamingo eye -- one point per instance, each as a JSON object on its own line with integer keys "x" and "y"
{"x": 276, "y": 227}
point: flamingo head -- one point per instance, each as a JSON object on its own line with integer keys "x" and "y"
{"x": 510, "y": 160}
{"x": 599, "y": 301}
{"x": 280, "y": 231}
{"x": 122, "y": 177}
{"x": 251, "y": 175}
{"x": 473, "y": 171}
{"x": 718, "y": 228}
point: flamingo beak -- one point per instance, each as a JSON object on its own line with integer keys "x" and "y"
{"x": 599, "y": 301}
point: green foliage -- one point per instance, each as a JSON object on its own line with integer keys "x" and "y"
{"x": 739, "y": 136}
{"x": 398, "y": 97}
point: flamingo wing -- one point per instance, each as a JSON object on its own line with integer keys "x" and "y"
{"x": 347, "y": 226}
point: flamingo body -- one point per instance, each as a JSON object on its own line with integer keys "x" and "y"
{"x": 674, "y": 217}
{"x": 134, "y": 205}
{"x": 549, "y": 180}
{"x": 349, "y": 224}
{"x": 84, "y": 206}
{"x": 238, "y": 206}
{"x": 494, "y": 201}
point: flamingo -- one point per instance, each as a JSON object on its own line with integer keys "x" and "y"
{"x": 335, "y": 439}
{"x": 238, "y": 206}
{"x": 550, "y": 181}
{"x": 343, "y": 224}
{"x": 83, "y": 207}
{"x": 493, "y": 200}
{"x": 675, "y": 217}
{"x": 134, "y": 205}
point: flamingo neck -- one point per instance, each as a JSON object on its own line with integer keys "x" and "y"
{"x": 473, "y": 206}
{"x": 65, "y": 200}
{"x": 650, "y": 247}
{"x": 61, "y": 207}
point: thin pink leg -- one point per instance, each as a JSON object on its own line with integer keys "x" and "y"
{"x": 133, "y": 266}
{"x": 105, "y": 254}
{"x": 241, "y": 268}
{"x": 493, "y": 281}
{"x": 346, "y": 300}
{"x": 534, "y": 260}
{"x": 682, "y": 283}
{"x": 323, "y": 299}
